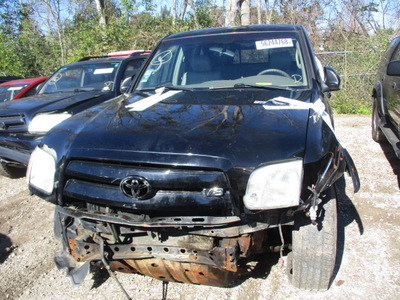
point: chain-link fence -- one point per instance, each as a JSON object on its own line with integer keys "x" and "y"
{"x": 357, "y": 70}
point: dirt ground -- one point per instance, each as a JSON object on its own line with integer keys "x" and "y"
{"x": 368, "y": 264}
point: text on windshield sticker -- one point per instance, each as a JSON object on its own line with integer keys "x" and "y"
{"x": 274, "y": 43}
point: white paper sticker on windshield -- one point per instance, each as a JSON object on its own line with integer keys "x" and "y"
{"x": 103, "y": 71}
{"x": 274, "y": 43}
{"x": 15, "y": 88}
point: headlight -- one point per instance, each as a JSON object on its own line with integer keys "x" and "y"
{"x": 41, "y": 169}
{"x": 274, "y": 186}
{"x": 42, "y": 123}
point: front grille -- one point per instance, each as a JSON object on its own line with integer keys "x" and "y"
{"x": 173, "y": 189}
{"x": 13, "y": 123}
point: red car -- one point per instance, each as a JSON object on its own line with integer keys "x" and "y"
{"x": 15, "y": 89}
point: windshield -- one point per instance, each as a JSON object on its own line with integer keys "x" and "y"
{"x": 82, "y": 77}
{"x": 268, "y": 59}
{"x": 8, "y": 92}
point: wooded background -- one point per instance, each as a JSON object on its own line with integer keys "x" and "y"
{"x": 39, "y": 36}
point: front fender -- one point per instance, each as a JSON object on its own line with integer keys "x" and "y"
{"x": 352, "y": 170}
{"x": 326, "y": 157}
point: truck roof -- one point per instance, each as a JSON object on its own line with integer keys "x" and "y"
{"x": 237, "y": 29}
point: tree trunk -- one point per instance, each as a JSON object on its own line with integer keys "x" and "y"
{"x": 259, "y": 12}
{"x": 174, "y": 12}
{"x": 100, "y": 10}
{"x": 230, "y": 12}
{"x": 53, "y": 11}
{"x": 183, "y": 9}
{"x": 268, "y": 11}
{"x": 193, "y": 8}
{"x": 245, "y": 12}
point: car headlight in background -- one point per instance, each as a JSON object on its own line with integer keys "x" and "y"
{"x": 42, "y": 123}
{"x": 41, "y": 169}
{"x": 274, "y": 186}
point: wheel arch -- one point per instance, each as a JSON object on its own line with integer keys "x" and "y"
{"x": 377, "y": 95}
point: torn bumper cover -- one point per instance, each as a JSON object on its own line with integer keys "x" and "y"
{"x": 170, "y": 249}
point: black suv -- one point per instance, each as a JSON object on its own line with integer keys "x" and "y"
{"x": 224, "y": 149}
{"x": 386, "y": 98}
{"x": 71, "y": 89}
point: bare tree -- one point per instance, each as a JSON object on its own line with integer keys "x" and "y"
{"x": 259, "y": 12}
{"x": 230, "y": 11}
{"x": 233, "y": 7}
{"x": 268, "y": 11}
{"x": 362, "y": 17}
{"x": 50, "y": 13}
{"x": 100, "y": 6}
{"x": 183, "y": 9}
{"x": 355, "y": 21}
{"x": 174, "y": 11}
{"x": 193, "y": 8}
{"x": 244, "y": 12}
{"x": 387, "y": 14}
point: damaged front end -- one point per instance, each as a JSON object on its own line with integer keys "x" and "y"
{"x": 199, "y": 169}
{"x": 198, "y": 222}
{"x": 191, "y": 248}
{"x": 169, "y": 250}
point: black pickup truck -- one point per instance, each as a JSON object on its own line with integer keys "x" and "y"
{"x": 223, "y": 149}
{"x": 71, "y": 89}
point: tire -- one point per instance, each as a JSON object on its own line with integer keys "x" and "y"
{"x": 377, "y": 134}
{"x": 312, "y": 260}
{"x": 11, "y": 171}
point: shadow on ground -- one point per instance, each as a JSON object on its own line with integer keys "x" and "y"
{"x": 392, "y": 159}
{"x": 347, "y": 214}
{"x": 6, "y": 247}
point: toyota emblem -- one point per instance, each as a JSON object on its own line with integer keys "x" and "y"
{"x": 136, "y": 187}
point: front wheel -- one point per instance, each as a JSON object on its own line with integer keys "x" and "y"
{"x": 312, "y": 260}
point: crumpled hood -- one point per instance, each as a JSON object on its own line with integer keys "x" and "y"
{"x": 46, "y": 102}
{"x": 193, "y": 128}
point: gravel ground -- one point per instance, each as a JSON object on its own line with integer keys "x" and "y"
{"x": 368, "y": 258}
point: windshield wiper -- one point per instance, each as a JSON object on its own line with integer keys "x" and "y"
{"x": 248, "y": 85}
{"x": 166, "y": 88}
{"x": 56, "y": 92}
{"x": 80, "y": 90}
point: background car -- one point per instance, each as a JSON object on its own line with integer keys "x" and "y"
{"x": 386, "y": 98}
{"x": 20, "y": 88}
{"x": 4, "y": 77}
{"x": 70, "y": 90}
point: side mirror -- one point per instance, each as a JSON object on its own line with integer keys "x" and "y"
{"x": 332, "y": 80}
{"x": 125, "y": 85}
{"x": 393, "y": 68}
